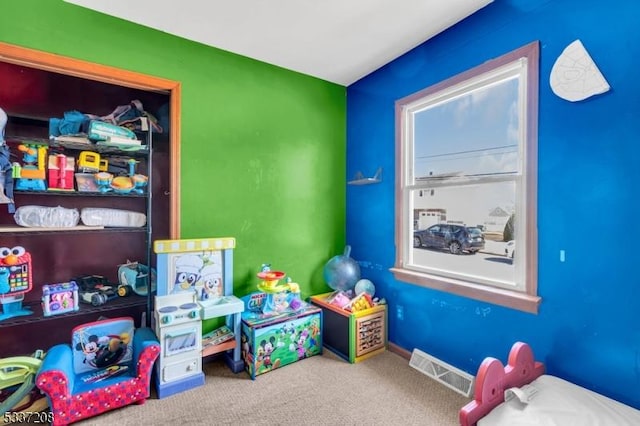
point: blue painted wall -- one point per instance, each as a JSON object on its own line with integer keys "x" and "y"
{"x": 588, "y": 327}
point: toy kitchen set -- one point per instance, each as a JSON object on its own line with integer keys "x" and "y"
{"x": 194, "y": 283}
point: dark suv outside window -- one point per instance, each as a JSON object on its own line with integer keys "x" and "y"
{"x": 455, "y": 238}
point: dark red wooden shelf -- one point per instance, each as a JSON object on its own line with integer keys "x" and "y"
{"x": 85, "y": 309}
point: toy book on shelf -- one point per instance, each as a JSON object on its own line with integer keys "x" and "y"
{"x": 217, "y": 336}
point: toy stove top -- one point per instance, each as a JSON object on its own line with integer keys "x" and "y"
{"x": 176, "y": 309}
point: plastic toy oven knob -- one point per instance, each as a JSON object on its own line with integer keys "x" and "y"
{"x": 166, "y": 319}
{"x": 193, "y": 314}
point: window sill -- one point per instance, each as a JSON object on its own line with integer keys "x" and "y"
{"x": 508, "y": 298}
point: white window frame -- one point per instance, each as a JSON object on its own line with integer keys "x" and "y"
{"x": 521, "y": 294}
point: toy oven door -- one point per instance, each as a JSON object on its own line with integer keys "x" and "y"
{"x": 180, "y": 340}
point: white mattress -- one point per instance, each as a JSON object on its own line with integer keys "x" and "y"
{"x": 555, "y": 402}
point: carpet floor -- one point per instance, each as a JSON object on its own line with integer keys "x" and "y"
{"x": 321, "y": 390}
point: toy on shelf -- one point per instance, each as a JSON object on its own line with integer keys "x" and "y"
{"x": 31, "y": 175}
{"x": 61, "y": 172}
{"x": 91, "y": 162}
{"x": 86, "y": 182}
{"x": 95, "y": 289}
{"x": 133, "y": 277}
{"x": 103, "y": 180}
{"x": 139, "y": 181}
{"x": 111, "y": 176}
{"x": 59, "y": 298}
{"x": 126, "y": 184}
{"x": 122, "y": 185}
{"x": 216, "y": 337}
{"x": 15, "y": 281}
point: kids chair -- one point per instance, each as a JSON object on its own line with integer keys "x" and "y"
{"x": 108, "y": 365}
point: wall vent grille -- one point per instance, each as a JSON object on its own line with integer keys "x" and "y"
{"x": 442, "y": 372}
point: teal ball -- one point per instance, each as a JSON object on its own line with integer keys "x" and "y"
{"x": 341, "y": 273}
{"x": 365, "y": 286}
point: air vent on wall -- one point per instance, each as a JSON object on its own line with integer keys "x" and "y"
{"x": 442, "y": 372}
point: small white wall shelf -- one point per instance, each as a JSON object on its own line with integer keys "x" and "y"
{"x": 360, "y": 179}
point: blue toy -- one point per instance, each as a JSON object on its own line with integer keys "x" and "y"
{"x": 139, "y": 181}
{"x": 108, "y": 364}
{"x": 365, "y": 286}
{"x": 135, "y": 276}
{"x": 31, "y": 175}
{"x": 341, "y": 272}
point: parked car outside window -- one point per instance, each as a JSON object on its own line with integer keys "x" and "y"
{"x": 510, "y": 249}
{"x": 455, "y": 238}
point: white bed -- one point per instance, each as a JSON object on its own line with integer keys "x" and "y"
{"x": 535, "y": 398}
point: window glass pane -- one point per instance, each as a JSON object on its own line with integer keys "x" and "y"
{"x": 476, "y": 247}
{"x": 469, "y": 136}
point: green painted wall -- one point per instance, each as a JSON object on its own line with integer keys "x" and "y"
{"x": 263, "y": 149}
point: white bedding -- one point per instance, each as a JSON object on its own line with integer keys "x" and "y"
{"x": 551, "y": 401}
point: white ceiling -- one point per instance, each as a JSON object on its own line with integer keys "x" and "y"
{"x": 339, "y": 41}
